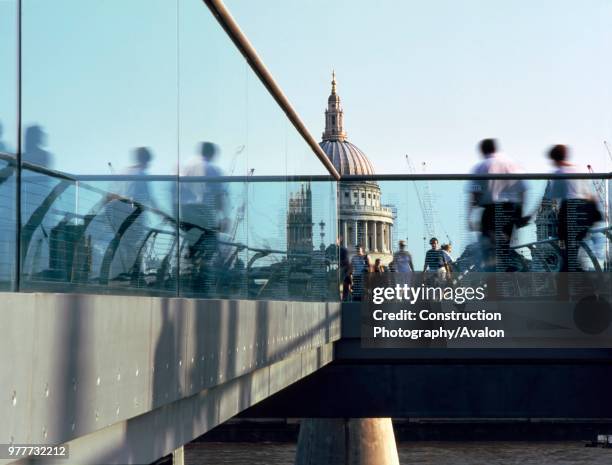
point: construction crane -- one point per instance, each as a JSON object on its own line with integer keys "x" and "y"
{"x": 426, "y": 208}
{"x": 431, "y": 206}
{"x": 241, "y": 209}
{"x": 608, "y": 149}
{"x": 599, "y": 187}
{"x": 427, "y": 205}
{"x": 238, "y": 151}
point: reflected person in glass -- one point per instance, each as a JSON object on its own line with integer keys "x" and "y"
{"x": 34, "y": 153}
{"x": 203, "y": 214}
{"x": 139, "y": 189}
{"x": 139, "y": 209}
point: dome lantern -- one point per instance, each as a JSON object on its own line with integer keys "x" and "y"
{"x": 346, "y": 157}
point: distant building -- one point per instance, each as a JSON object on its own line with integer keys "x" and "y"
{"x": 299, "y": 221}
{"x": 362, "y": 219}
{"x": 546, "y": 220}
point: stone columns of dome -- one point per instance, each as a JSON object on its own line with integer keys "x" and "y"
{"x": 386, "y": 237}
{"x": 374, "y": 230}
{"x": 355, "y": 233}
{"x": 344, "y": 230}
{"x": 366, "y": 237}
{"x": 391, "y": 238}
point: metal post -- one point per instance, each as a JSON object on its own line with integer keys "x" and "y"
{"x": 17, "y": 282}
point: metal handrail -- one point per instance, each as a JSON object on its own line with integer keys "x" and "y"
{"x": 472, "y": 176}
{"x": 604, "y": 230}
{"x": 229, "y": 24}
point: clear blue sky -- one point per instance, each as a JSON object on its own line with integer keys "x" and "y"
{"x": 428, "y": 79}
{"x": 432, "y": 78}
{"x": 104, "y": 76}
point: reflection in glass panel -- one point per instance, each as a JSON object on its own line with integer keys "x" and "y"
{"x": 213, "y": 243}
{"x": 98, "y": 236}
{"x": 99, "y": 121}
{"x": 325, "y": 262}
{"x": 268, "y": 260}
{"x": 292, "y": 240}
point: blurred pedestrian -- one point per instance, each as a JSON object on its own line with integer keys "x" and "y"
{"x": 402, "y": 259}
{"x": 578, "y": 210}
{"x": 378, "y": 266}
{"x": 203, "y": 204}
{"x": 360, "y": 264}
{"x": 347, "y": 285}
{"x": 501, "y": 200}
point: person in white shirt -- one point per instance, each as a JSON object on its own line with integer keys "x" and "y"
{"x": 125, "y": 197}
{"x": 202, "y": 201}
{"x": 501, "y": 201}
{"x": 201, "y": 165}
{"x": 578, "y": 210}
{"x": 202, "y": 212}
{"x": 138, "y": 189}
{"x": 447, "y": 250}
{"x": 402, "y": 259}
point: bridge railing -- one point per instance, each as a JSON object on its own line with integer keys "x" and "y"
{"x": 450, "y": 208}
{"x": 268, "y": 237}
{"x": 212, "y": 237}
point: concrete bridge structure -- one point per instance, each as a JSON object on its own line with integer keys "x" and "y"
{"x": 126, "y": 379}
{"x": 130, "y": 328}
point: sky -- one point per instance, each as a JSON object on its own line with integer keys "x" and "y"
{"x": 431, "y": 79}
{"x": 102, "y": 77}
{"x": 427, "y": 79}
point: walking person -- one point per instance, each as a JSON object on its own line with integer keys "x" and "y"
{"x": 343, "y": 256}
{"x": 578, "y": 210}
{"x": 447, "y": 250}
{"x": 501, "y": 200}
{"x": 435, "y": 262}
{"x": 203, "y": 204}
{"x": 347, "y": 285}
{"x": 402, "y": 259}
{"x": 133, "y": 193}
{"x": 360, "y": 264}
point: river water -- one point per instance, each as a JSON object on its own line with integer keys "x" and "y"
{"x": 419, "y": 453}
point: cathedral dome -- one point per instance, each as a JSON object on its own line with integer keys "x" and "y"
{"x": 346, "y": 157}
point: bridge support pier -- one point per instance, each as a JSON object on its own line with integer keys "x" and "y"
{"x": 178, "y": 456}
{"x": 357, "y": 441}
